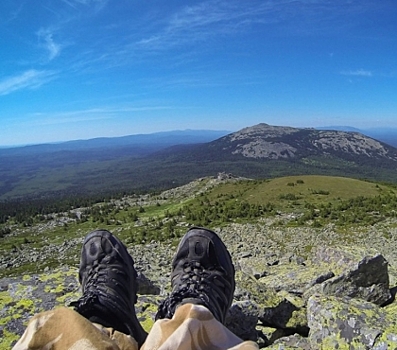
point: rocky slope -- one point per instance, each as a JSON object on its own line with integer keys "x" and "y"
{"x": 296, "y": 287}
{"x": 299, "y": 288}
{"x": 277, "y": 142}
{"x": 256, "y": 152}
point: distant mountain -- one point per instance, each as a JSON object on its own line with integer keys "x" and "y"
{"x": 266, "y": 142}
{"x": 339, "y": 128}
{"x": 387, "y": 135}
{"x": 140, "y": 144}
{"x": 260, "y": 151}
{"x": 269, "y": 151}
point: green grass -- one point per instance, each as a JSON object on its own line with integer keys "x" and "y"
{"x": 272, "y": 191}
{"x": 317, "y": 199}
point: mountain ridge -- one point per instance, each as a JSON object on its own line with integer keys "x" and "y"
{"x": 259, "y": 151}
{"x": 153, "y": 142}
{"x": 265, "y": 137}
{"x": 263, "y": 141}
{"x": 386, "y": 135}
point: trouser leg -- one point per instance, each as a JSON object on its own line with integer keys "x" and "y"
{"x": 193, "y": 327}
{"x": 63, "y": 328}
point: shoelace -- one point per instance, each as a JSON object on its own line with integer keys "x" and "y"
{"x": 194, "y": 276}
{"x": 195, "y": 286}
{"x": 90, "y": 294}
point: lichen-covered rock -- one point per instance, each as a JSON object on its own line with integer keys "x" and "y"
{"x": 248, "y": 288}
{"x": 276, "y": 309}
{"x": 242, "y": 319}
{"x": 288, "y": 313}
{"x": 364, "y": 276}
{"x": 277, "y": 296}
{"x": 22, "y": 297}
{"x": 349, "y": 323}
{"x": 285, "y": 315}
{"x": 147, "y": 286}
{"x": 294, "y": 341}
{"x": 146, "y": 309}
{"x": 253, "y": 266}
{"x": 295, "y": 278}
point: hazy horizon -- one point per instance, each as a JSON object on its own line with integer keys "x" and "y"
{"x": 374, "y": 130}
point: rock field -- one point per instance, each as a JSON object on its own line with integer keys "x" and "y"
{"x": 296, "y": 288}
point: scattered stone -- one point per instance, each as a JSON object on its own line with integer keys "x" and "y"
{"x": 290, "y": 293}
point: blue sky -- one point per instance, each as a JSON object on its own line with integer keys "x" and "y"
{"x": 78, "y": 69}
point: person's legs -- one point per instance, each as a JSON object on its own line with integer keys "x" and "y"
{"x": 104, "y": 317}
{"x": 191, "y": 317}
{"x": 64, "y": 328}
{"x": 108, "y": 279}
{"x": 193, "y": 327}
{"x": 203, "y": 285}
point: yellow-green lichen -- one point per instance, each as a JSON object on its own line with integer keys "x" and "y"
{"x": 297, "y": 319}
{"x": 67, "y": 297}
{"x": 5, "y": 299}
{"x": 8, "y": 339}
{"x": 26, "y": 278}
{"x": 147, "y": 324}
{"x": 26, "y": 304}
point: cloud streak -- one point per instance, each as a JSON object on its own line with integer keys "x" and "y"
{"x": 75, "y": 4}
{"x": 30, "y": 79}
{"x": 192, "y": 30}
{"x": 90, "y": 114}
{"x": 214, "y": 18}
{"x": 200, "y": 22}
{"x": 358, "y": 73}
{"x": 46, "y": 40}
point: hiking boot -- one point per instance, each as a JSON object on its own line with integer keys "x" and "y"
{"x": 108, "y": 279}
{"x": 202, "y": 274}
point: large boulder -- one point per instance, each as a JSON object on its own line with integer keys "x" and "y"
{"x": 275, "y": 309}
{"x": 338, "y": 323}
{"x": 359, "y": 274}
{"x": 242, "y": 319}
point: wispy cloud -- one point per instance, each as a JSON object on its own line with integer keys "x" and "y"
{"x": 30, "y": 79}
{"x": 99, "y": 4}
{"x": 191, "y": 30}
{"x": 200, "y": 22}
{"x": 358, "y": 73}
{"x": 47, "y": 41}
{"x": 90, "y": 114}
{"x": 214, "y": 18}
{"x": 15, "y": 13}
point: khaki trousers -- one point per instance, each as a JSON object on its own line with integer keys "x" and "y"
{"x": 192, "y": 327}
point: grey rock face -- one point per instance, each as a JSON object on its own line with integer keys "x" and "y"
{"x": 352, "y": 323}
{"x": 277, "y": 142}
{"x": 366, "y": 277}
{"x": 242, "y": 319}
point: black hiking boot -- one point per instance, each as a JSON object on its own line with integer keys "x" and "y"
{"x": 202, "y": 274}
{"x": 108, "y": 279}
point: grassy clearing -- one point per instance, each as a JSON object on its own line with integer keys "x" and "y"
{"x": 314, "y": 200}
{"x": 309, "y": 188}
